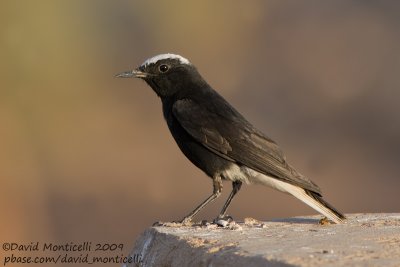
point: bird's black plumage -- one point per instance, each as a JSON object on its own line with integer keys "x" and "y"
{"x": 218, "y": 139}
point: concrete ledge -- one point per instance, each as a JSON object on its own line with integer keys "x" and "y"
{"x": 364, "y": 240}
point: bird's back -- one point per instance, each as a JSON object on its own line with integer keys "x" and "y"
{"x": 204, "y": 117}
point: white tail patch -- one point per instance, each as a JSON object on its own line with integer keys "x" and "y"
{"x": 298, "y": 193}
{"x": 250, "y": 176}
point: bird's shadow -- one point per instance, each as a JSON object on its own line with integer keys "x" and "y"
{"x": 295, "y": 220}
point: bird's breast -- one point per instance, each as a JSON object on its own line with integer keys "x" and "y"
{"x": 199, "y": 155}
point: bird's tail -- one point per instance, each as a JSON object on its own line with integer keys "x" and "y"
{"x": 312, "y": 199}
{"x": 315, "y": 201}
{"x": 335, "y": 215}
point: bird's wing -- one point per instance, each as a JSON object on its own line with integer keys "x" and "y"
{"x": 233, "y": 138}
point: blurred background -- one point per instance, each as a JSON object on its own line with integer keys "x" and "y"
{"x": 87, "y": 157}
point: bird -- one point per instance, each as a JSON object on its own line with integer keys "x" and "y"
{"x": 220, "y": 141}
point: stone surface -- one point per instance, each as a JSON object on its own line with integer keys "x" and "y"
{"x": 364, "y": 240}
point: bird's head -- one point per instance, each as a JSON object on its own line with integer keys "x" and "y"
{"x": 167, "y": 74}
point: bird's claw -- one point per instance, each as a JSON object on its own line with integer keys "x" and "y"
{"x": 223, "y": 220}
{"x": 186, "y": 221}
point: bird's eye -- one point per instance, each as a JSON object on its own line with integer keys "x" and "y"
{"x": 163, "y": 68}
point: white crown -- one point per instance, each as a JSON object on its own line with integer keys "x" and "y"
{"x": 155, "y": 59}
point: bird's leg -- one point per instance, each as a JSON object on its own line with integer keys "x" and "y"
{"x": 217, "y": 185}
{"x": 235, "y": 188}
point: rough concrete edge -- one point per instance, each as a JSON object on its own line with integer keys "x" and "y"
{"x": 154, "y": 248}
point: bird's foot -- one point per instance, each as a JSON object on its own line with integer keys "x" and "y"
{"x": 227, "y": 222}
{"x": 223, "y": 220}
{"x": 187, "y": 221}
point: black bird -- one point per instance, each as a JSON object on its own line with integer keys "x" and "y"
{"x": 218, "y": 139}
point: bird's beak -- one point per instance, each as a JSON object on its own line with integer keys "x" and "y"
{"x": 132, "y": 74}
